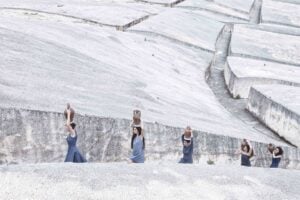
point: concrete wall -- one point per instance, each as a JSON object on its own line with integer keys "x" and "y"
{"x": 28, "y": 136}
{"x": 276, "y": 116}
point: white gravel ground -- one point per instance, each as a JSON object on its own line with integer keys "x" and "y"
{"x": 146, "y": 181}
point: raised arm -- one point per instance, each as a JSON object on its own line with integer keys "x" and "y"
{"x": 247, "y": 154}
{"x": 72, "y": 131}
{"x": 274, "y": 156}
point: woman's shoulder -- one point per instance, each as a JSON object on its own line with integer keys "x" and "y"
{"x": 74, "y": 135}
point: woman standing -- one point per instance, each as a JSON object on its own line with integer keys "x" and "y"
{"x": 276, "y": 157}
{"x": 73, "y": 154}
{"x": 188, "y": 146}
{"x": 137, "y": 146}
{"x": 246, "y": 152}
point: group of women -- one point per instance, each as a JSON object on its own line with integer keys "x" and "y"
{"x": 138, "y": 144}
{"x": 247, "y": 152}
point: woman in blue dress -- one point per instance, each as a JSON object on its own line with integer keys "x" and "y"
{"x": 246, "y": 153}
{"x": 276, "y": 157}
{"x": 137, "y": 146}
{"x": 188, "y": 146}
{"x": 73, "y": 154}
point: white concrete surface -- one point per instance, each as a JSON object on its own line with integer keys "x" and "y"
{"x": 281, "y": 13}
{"x": 242, "y": 73}
{"x": 107, "y": 12}
{"x": 214, "y": 7}
{"x": 259, "y": 44}
{"x": 183, "y": 25}
{"x": 108, "y": 73}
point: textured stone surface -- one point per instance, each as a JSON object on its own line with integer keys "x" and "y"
{"x": 104, "y": 12}
{"x": 278, "y": 107}
{"x": 218, "y": 10}
{"x": 254, "y": 43}
{"x": 242, "y": 73}
{"x": 241, "y": 5}
{"x": 34, "y": 136}
{"x": 147, "y": 181}
{"x": 172, "y": 24}
{"x": 281, "y": 13}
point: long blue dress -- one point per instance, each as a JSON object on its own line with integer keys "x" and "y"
{"x": 138, "y": 151}
{"x": 187, "y": 152}
{"x": 73, "y": 153}
{"x": 245, "y": 160}
{"x": 275, "y": 162}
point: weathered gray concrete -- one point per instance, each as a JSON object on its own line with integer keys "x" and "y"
{"x": 278, "y": 107}
{"x": 281, "y": 13}
{"x": 101, "y": 13}
{"x": 255, "y": 43}
{"x": 242, "y": 73}
{"x": 218, "y": 10}
{"x": 28, "y": 136}
{"x": 120, "y": 181}
{"x": 194, "y": 33}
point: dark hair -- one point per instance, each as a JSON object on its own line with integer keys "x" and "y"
{"x": 280, "y": 151}
{"x": 73, "y": 125}
{"x": 134, "y": 136}
{"x": 245, "y": 145}
{"x": 248, "y": 149}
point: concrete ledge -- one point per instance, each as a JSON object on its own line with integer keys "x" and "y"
{"x": 277, "y": 107}
{"x": 242, "y": 73}
{"x": 28, "y": 136}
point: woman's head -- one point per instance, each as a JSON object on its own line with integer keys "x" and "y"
{"x": 278, "y": 151}
{"x": 246, "y": 148}
{"x": 245, "y": 145}
{"x": 73, "y": 125}
{"x": 137, "y": 130}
